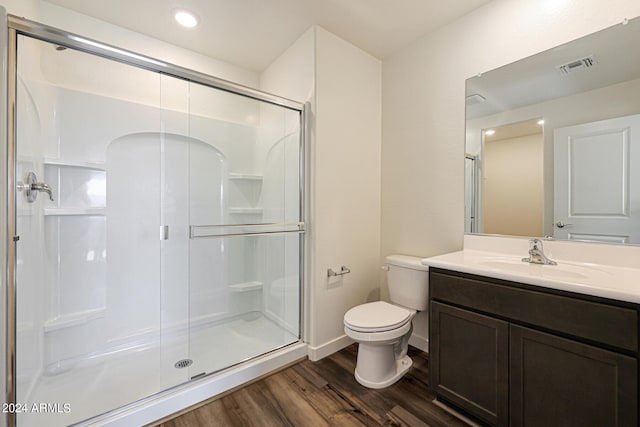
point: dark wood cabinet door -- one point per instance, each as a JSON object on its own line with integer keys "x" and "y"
{"x": 469, "y": 362}
{"x": 559, "y": 382}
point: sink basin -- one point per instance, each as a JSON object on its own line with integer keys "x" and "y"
{"x": 560, "y": 271}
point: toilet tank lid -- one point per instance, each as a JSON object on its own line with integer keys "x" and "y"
{"x": 407, "y": 261}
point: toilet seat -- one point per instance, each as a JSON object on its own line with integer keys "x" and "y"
{"x": 377, "y": 316}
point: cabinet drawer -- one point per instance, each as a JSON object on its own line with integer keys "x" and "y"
{"x": 599, "y": 322}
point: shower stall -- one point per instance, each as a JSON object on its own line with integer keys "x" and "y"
{"x": 154, "y": 228}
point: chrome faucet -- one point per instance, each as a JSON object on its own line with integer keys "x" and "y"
{"x": 536, "y": 254}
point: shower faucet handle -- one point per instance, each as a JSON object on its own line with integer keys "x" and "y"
{"x": 31, "y": 187}
{"x": 41, "y": 186}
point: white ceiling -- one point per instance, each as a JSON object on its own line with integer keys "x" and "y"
{"x": 252, "y": 33}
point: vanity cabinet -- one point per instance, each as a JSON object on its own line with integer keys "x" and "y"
{"x": 511, "y": 354}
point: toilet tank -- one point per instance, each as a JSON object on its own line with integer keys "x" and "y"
{"x": 408, "y": 281}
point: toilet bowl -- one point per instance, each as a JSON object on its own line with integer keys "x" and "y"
{"x": 382, "y": 330}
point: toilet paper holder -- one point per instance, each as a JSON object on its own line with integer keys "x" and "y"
{"x": 343, "y": 270}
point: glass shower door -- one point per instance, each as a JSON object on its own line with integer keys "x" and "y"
{"x": 159, "y": 231}
{"x": 245, "y": 242}
{"x": 88, "y": 266}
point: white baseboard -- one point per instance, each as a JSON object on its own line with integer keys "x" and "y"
{"x": 328, "y": 348}
{"x": 419, "y": 342}
{"x": 337, "y": 344}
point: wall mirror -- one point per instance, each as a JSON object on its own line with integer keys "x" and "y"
{"x": 553, "y": 142}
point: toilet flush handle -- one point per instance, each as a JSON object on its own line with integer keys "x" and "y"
{"x": 385, "y": 267}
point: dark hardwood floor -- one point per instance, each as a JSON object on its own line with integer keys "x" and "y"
{"x": 324, "y": 393}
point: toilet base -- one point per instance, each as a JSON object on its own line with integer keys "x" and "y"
{"x": 402, "y": 366}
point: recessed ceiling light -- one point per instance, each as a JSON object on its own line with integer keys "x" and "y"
{"x": 185, "y": 18}
{"x": 489, "y": 132}
{"x": 540, "y": 122}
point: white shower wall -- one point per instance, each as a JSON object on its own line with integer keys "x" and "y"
{"x": 80, "y": 224}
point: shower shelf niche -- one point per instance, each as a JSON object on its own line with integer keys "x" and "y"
{"x": 74, "y": 211}
{"x": 245, "y": 194}
{"x": 246, "y": 286}
{"x": 73, "y": 164}
{"x": 245, "y": 177}
{"x": 79, "y": 187}
{"x": 245, "y": 211}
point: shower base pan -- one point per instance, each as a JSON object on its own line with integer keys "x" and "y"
{"x": 124, "y": 377}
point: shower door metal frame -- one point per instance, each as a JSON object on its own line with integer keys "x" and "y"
{"x": 13, "y": 26}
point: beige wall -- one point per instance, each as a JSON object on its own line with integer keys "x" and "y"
{"x": 346, "y": 153}
{"x": 423, "y": 111}
{"x": 26, "y": 8}
{"x": 513, "y": 186}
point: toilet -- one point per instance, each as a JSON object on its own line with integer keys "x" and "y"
{"x": 382, "y": 330}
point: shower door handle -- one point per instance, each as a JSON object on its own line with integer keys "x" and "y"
{"x": 31, "y": 187}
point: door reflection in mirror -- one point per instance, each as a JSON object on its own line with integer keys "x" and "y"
{"x": 596, "y": 168}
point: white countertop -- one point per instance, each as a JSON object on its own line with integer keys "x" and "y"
{"x": 616, "y": 282}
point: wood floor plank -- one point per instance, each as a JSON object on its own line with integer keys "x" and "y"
{"x": 253, "y": 406}
{"x": 188, "y": 419}
{"x": 214, "y": 414}
{"x": 310, "y": 374}
{"x": 324, "y": 400}
{"x": 406, "y": 418}
{"x": 371, "y": 405}
{"x": 297, "y": 410}
{"x": 414, "y": 398}
{"x": 325, "y": 393}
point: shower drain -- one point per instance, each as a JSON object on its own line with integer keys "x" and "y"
{"x": 184, "y": 363}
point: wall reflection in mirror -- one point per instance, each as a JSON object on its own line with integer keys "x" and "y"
{"x": 553, "y": 142}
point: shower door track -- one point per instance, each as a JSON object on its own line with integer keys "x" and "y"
{"x": 16, "y": 26}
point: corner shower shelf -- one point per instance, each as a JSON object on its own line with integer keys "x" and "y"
{"x": 245, "y": 211}
{"x": 74, "y": 211}
{"x": 246, "y": 286}
{"x": 245, "y": 177}
{"x": 71, "y": 164}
